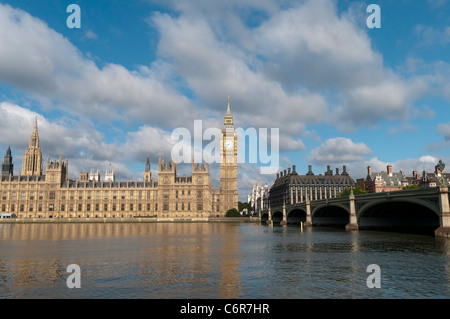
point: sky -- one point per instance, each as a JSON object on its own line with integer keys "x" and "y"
{"x": 111, "y": 92}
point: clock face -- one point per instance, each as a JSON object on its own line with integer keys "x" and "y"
{"x": 229, "y": 144}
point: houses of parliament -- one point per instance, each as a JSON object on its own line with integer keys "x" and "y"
{"x": 38, "y": 193}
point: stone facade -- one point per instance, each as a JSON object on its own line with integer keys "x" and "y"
{"x": 34, "y": 194}
{"x": 291, "y": 188}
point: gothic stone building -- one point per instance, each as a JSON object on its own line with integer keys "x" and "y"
{"x": 36, "y": 193}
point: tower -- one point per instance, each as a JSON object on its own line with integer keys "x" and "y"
{"x": 7, "y": 166}
{"x": 110, "y": 175}
{"x": 56, "y": 170}
{"x": 32, "y": 159}
{"x": 228, "y": 164}
{"x": 148, "y": 171}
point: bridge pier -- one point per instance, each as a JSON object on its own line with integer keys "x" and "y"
{"x": 308, "y": 221}
{"x": 444, "y": 229}
{"x": 284, "y": 221}
{"x": 353, "y": 224}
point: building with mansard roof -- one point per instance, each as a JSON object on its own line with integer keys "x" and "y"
{"x": 387, "y": 181}
{"x": 291, "y": 188}
{"x": 47, "y": 192}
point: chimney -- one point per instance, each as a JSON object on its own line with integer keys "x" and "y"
{"x": 337, "y": 170}
{"x": 289, "y": 170}
{"x": 278, "y": 175}
{"x": 369, "y": 170}
{"x": 415, "y": 175}
{"x": 389, "y": 170}
{"x": 293, "y": 168}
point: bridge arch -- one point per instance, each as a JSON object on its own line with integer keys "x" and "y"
{"x": 277, "y": 217}
{"x": 336, "y": 215}
{"x": 411, "y": 215}
{"x": 264, "y": 217}
{"x": 295, "y": 216}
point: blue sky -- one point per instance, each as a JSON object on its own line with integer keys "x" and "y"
{"x": 111, "y": 92}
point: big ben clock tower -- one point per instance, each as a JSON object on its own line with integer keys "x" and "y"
{"x": 228, "y": 164}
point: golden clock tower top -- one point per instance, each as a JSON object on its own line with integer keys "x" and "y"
{"x": 228, "y": 120}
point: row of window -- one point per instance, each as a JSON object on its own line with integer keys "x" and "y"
{"x": 97, "y": 207}
{"x": 100, "y": 194}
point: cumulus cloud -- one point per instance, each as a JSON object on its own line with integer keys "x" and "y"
{"x": 41, "y": 61}
{"x": 339, "y": 150}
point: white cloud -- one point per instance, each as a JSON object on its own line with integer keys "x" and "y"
{"x": 37, "y": 59}
{"x": 339, "y": 150}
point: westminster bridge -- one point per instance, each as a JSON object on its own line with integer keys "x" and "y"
{"x": 423, "y": 209}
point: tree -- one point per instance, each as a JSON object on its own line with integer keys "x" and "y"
{"x": 242, "y": 206}
{"x": 413, "y": 186}
{"x": 356, "y": 191}
{"x": 233, "y": 212}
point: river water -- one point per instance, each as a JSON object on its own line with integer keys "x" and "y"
{"x": 218, "y": 260}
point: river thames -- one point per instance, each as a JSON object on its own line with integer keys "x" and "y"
{"x": 218, "y": 260}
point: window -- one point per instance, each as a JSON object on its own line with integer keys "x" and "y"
{"x": 89, "y": 195}
{"x": 80, "y": 207}
{"x": 63, "y": 207}
{"x": 114, "y": 195}
{"x": 122, "y": 207}
{"x": 166, "y": 206}
{"x": 13, "y": 196}
{"x": 71, "y": 207}
{"x": 105, "y": 193}
{"x": 72, "y": 195}
{"x": 97, "y": 207}
{"x": 80, "y": 195}
{"x": 13, "y": 207}
{"x": 22, "y": 195}
{"x": 63, "y": 195}
{"x": 51, "y": 207}
{"x": 88, "y": 207}
{"x": 41, "y": 195}
{"x": 52, "y": 195}
{"x": 131, "y": 207}
{"x": 140, "y": 194}
{"x": 105, "y": 207}
{"x": 40, "y": 207}
{"x": 123, "y": 194}
{"x": 131, "y": 194}
{"x": 166, "y": 193}
{"x": 114, "y": 207}
{"x": 199, "y": 206}
{"x": 139, "y": 207}
{"x": 4, "y": 195}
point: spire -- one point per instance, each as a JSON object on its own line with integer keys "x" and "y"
{"x": 32, "y": 159}
{"x": 228, "y": 120}
{"x": 147, "y": 165}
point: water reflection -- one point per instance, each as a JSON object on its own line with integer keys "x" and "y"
{"x": 187, "y": 260}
